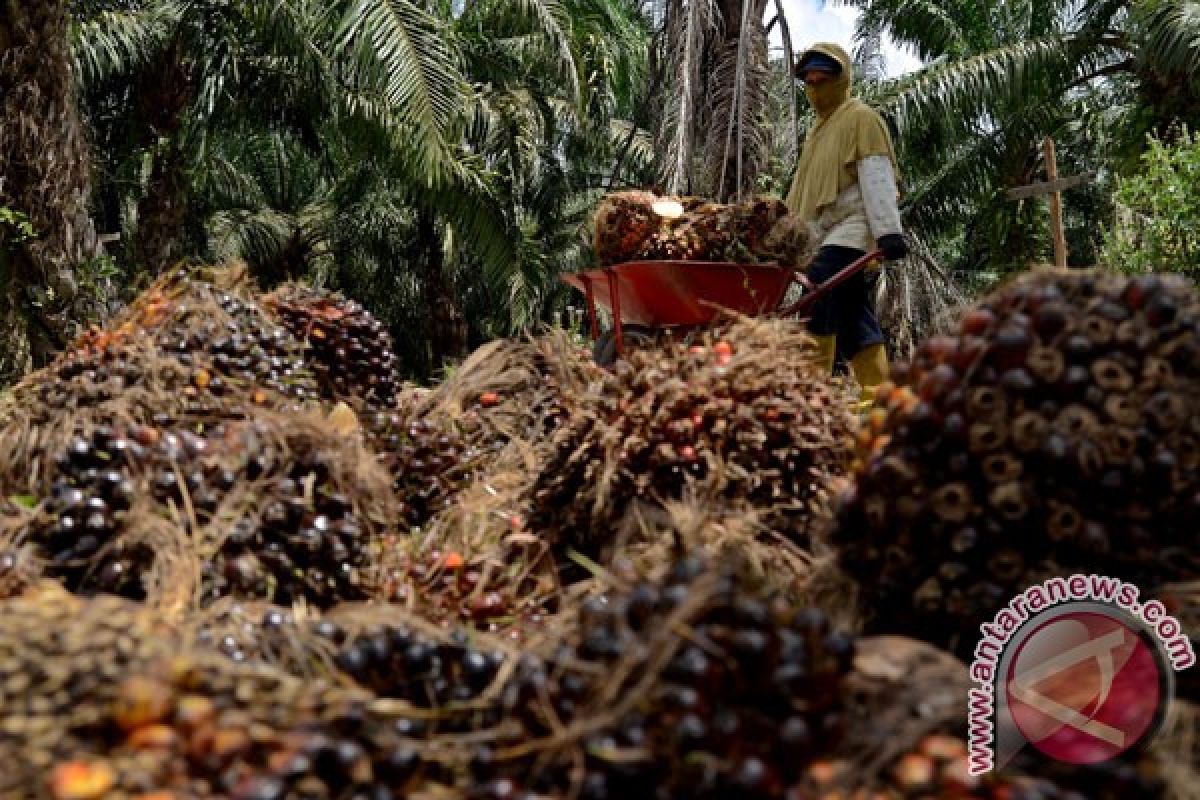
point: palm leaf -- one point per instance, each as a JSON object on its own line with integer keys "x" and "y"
{"x": 119, "y": 43}
{"x": 400, "y": 51}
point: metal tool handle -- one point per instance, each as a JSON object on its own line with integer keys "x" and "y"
{"x": 804, "y": 304}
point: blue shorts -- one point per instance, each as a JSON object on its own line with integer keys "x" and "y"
{"x": 849, "y": 311}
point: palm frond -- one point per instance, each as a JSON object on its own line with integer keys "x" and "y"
{"x": 119, "y": 43}
{"x": 399, "y": 50}
{"x": 1171, "y": 39}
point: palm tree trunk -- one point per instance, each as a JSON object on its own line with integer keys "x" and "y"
{"x": 45, "y": 173}
{"x": 162, "y": 212}
{"x": 165, "y": 94}
{"x": 446, "y": 326}
{"x": 736, "y": 138}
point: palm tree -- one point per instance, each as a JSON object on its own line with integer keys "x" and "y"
{"x": 714, "y": 131}
{"x": 44, "y": 175}
{"x": 1000, "y": 77}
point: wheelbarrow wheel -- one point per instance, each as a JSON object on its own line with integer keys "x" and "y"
{"x": 604, "y": 351}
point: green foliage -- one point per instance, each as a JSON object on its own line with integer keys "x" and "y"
{"x": 1158, "y": 210}
{"x": 15, "y": 227}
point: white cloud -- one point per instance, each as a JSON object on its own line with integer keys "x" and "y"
{"x": 817, "y": 21}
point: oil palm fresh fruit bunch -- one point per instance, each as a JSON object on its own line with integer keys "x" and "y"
{"x": 1055, "y": 431}
{"x": 622, "y": 223}
{"x": 742, "y": 419}
{"x": 349, "y": 350}
{"x": 693, "y": 686}
{"x": 275, "y": 509}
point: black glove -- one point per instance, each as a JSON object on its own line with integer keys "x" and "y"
{"x": 893, "y": 246}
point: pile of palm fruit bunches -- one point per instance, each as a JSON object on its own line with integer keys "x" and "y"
{"x": 240, "y": 558}
{"x": 642, "y": 226}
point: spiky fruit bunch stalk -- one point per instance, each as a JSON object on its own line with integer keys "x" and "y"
{"x": 349, "y": 350}
{"x": 743, "y": 420}
{"x": 1055, "y": 431}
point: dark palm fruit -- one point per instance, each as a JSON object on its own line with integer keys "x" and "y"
{"x": 1052, "y": 475}
{"x": 709, "y": 704}
{"x": 349, "y": 350}
{"x": 754, "y": 435}
{"x": 430, "y": 461}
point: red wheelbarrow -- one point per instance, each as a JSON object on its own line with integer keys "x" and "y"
{"x": 650, "y": 298}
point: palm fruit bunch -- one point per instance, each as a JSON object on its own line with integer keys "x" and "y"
{"x": 744, "y": 419}
{"x": 100, "y": 699}
{"x": 639, "y": 225}
{"x": 706, "y": 231}
{"x": 1054, "y": 432}
{"x": 937, "y": 769}
{"x": 187, "y": 351}
{"x": 61, "y": 660}
{"x": 429, "y": 459}
{"x": 621, "y": 225}
{"x": 273, "y": 509}
{"x": 348, "y": 348}
{"x": 508, "y": 390}
{"x": 695, "y": 686}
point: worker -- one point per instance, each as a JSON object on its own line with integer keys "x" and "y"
{"x": 846, "y": 187}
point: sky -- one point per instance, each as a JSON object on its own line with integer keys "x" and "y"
{"x": 820, "y": 21}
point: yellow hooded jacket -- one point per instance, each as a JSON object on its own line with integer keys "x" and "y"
{"x": 826, "y": 190}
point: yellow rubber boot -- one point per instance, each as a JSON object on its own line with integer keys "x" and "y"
{"x": 826, "y": 353}
{"x": 870, "y": 368}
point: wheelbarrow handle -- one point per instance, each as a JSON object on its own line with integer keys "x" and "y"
{"x": 805, "y": 303}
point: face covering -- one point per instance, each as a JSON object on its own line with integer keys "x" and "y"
{"x": 826, "y": 96}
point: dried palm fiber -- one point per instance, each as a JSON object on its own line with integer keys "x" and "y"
{"x": 276, "y": 508}
{"x": 743, "y": 420}
{"x": 627, "y": 227}
{"x": 185, "y": 352}
{"x": 348, "y": 349}
{"x": 1178, "y": 751}
{"x": 520, "y": 389}
{"x": 906, "y": 726}
{"x": 916, "y": 300}
{"x": 768, "y": 560}
{"x": 1057, "y": 431}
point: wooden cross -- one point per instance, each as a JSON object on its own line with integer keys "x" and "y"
{"x": 1053, "y": 186}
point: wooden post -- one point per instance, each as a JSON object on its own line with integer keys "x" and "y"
{"x": 1056, "y": 215}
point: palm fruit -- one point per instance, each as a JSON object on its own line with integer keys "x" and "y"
{"x": 429, "y": 462}
{"x": 186, "y": 352}
{"x": 100, "y": 700}
{"x": 349, "y": 350}
{"x": 1055, "y": 432}
{"x": 691, "y": 687}
{"x": 622, "y": 223}
{"x": 275, "y": 509}
{"x": 744, "y": 420}
{"x": 628, "y": 226}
